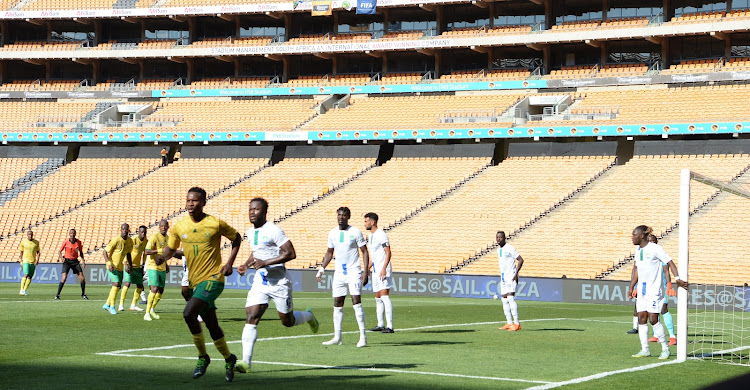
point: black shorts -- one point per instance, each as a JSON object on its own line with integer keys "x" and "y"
{"x": 71, "y": 265}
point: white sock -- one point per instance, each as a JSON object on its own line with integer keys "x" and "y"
{"x": 359, "y": 312}
{"x": 380, "y": 310}
{"x": 513, "y": 308}
{"x": 301, "y": 317}
{"x": 249, "y": 335}
{"x": 635, "y": 322}
{"x": 643, "y": 335}
{"x": 388, "y": 311}
{"x": 338, "y": 319}
{"x": 506, "y": 309}
{"x": 659, "y": 334}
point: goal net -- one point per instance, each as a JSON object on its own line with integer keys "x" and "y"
{"x": 713, "y": 320}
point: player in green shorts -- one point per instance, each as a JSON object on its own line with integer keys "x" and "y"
{"x": 29, "y": 259}
{"x": 135, "y": 276}
{"x": 157, "y": 273}
{"x": 117, "y": 258}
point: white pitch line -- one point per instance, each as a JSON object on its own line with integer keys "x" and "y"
{"x": 600, "y": 375}
{"x": 390, "y": 370}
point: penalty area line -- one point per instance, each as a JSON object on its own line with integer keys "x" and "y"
{"x": 375, "y": 369}
{"x": 600, "y": 375}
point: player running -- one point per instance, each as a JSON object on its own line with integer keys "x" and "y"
{"x": 135, "y": 276}
{"x": 508, "y": 255}
{"x": 70, "y": 250}
{"x": 157, "y": 273}
{"x": 270, "y": 250}
{"x": 118, "y": 258}
{"x": 648, "y": 274}
{"x": 348, "y": 276}
{"x": 200, "y": 234}
{"x": 29, "y": 259}
{"x": 380, "y": 253}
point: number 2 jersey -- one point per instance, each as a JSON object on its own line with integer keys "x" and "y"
{"x": 649, "y": 261}
{"x": 266, "y": 242}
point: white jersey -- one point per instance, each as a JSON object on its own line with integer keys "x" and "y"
{"x": 265, "y": 243}
{"x": 650, "y": 261}
{"x": 377, "y": 244}
{"x": 345, "y": 245}
{"x": 507, "y": 256}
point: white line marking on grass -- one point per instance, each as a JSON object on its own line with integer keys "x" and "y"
{"x": 390, "y": 370}
{"x": 600, "y": 375}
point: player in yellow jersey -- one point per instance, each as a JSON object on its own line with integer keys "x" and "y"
{"x": 29, "y": 259}
{"x": 135, "y": 276}
{"x": 157, "y": 274}
{"x": 200, "y": 236}
{"x": 117, "y": 256}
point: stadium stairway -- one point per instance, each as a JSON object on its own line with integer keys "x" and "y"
{"x": 46, "y": 219}
{"x": 574, "y": 194}
{"x": 34, "y": 176}
{"x": 621, "y": 270}
{"x": 84, "y": 125}
{"x": 123, "y": 4}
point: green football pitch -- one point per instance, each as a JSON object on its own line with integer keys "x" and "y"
{"x": 444, "y": 343}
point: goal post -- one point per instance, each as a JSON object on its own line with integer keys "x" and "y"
{"x": 686, "y": 177}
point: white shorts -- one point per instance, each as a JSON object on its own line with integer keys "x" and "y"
{"x": 351, "y": 283}
{"x": 380, "y": 285}
{"x": 649, "y": 303}
{"x": 281, "y": 294}
{"x": 507, "y": 285}
{"x": 185, "y": 281}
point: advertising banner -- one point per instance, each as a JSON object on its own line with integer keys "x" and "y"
{"x": 321, "y": 8}
{"x": 366, "y": 7}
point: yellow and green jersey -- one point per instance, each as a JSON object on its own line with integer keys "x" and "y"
{"x": 118, "y": 250}
{"x": 201, "y": 243}
{"x": 157, "y": 242}
{"x": 30, "y": 249}
{"x": 137, "y": 254}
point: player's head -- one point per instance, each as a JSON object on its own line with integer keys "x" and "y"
{"x": 371, "y": 221}
{"x": 500, "y": 237}
{"x": 72, "y": 234}
{"x": 342, "y": 216}
{"x": 652, "y": 238}
{"x": 30, "y": 235}
{"x": 196, "y": 199}
{"x": 640, "y": 234}
{"x": 124, "y": 230}
{"x": 142, "y": 230}
{"x": 258, "y": 209}
{"x": 163, "y": 226}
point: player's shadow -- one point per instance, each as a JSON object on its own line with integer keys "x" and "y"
{"x": 422, "y": 342}
{"x": 556, "y": 330}
{"x": 448, "y": 331}
{"x": 243, "y": 319}
{"x": 379, "y": 365}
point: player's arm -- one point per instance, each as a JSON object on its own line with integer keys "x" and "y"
{"x": 80, "y": 254}
{"x": 167, "y": 253}
{"x": 383, "y": 272}
{"x": 107, "y": 261}
{"x": 242, "y": 268}
{"x": 633, "y": 281}
{"x": 366, "y": 261}
{"x": 61, "y": 251}
{"x": 38, "y": 256}
{"x": 286, "y": 253}
{"x": 20, "y": 259}
{"x": 680, "y": 282}
{"x": 236, "y": 242}
{"x": 519, "y": 266}
{"x": 129, "y": 263}
{"x": 326, "y": 259}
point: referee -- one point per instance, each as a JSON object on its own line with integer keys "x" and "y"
{"x": 69, "y": 252}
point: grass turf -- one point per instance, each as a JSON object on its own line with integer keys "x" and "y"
{"x": 445, "y": 343}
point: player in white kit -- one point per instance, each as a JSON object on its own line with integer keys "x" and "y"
{"x": 270, "y": 250}
{"x": 380, "y": 254}
{"x": 346, "y": 242}
{"x": 648, "y": 287}
{"x": 507, "y": 257}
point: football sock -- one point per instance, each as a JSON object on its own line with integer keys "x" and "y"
{"x": 150, "y": 301}
{"x": 338, "y": 319}
{"x": 23, "y": 284}
{"x": 222, "y": 347}
{"x": 506, "y": 309}
{"x": 659, "y": 334}
{"x": 112, "y": 295}
{"x": 380, "y": 310}
{"x": 136, "y": 296}
{"x": 200, "y": 343}
{"x": 249, "y": 335}
{"x": 643, "y": 336}
{"x": 513, "y": 308}
{"x": 83, "y": 288}
{"x": 359, "y": 312}
{"x": 668, "y": 323}
{"x": 157, "y": 298}
{"x": 388, "y": 311}
{"x": 635, "y": 322}
{"x": 301, "y": 317}
{"x": 123, "y": 294}
{"x": 59, "y": 288}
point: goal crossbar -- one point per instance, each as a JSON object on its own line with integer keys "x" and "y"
{"x": 686, "y": 175}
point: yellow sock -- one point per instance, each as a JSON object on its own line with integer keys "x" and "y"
{"x": 28, "y": 283}
{"x": 222, "y": 347}
{"x": 112, "y": 295}
{"x": 150, "y": 301}
{"x": 23, "y": 284}
{"x": 200, "y": 343}
{"x": 136, "y": 296}
{"x": 157, "y": 298}
{"x": 123, "y": 294}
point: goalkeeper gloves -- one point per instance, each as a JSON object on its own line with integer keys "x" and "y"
{"x": 670, "y": 291}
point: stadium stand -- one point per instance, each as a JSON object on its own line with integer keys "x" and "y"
{"x": 698, "y": 17}
{"x": 35, "y": 115}
{"x": 600, "y": 220}
{"x": 14, "y": 170}
{"x": 695, "y": 66}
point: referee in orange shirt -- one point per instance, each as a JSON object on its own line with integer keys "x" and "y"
{"x": 69, "y": 252}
